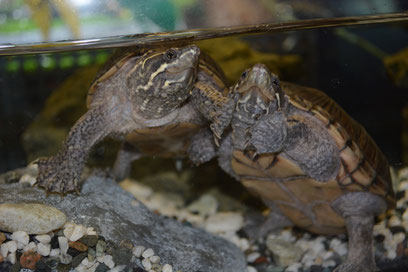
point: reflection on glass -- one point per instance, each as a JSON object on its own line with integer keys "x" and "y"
{"x": 31, "y": 21}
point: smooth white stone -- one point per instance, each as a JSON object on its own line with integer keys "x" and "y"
{"x": 65, "y": 258}
{"x": 148, "y": 253}
{"x": 33, "y": 218}
{"x": 394, "y": 221}
{"x": 167, "y": 268}
{"x": 206, "y": 205}
{"x": 28, "y": 179}
{"x": 329, "y": 263}
{"x": 30, "y": 247}
{"x": 154, "y": 259}
{"x": 12, "y": 246}
{"x": 107, "y": 259}
{"x": 251, "y": 269}
{"x": 43, "y": 249}
{"x": 284, "y": 253}
{"x": 63, "y": 244}
{"x": 138, "y": 250}
{"x": 4, "y": 250}
{"x": 12, "y": 257}
{"x": 21, "y": 237}
{"x": 253, "y": 256}
{"x": 68, "y": 229}
{"x": 295, "y": 267}
{"x": 55, "y": 252}
{"x": 224, "y": 222}
{"x": 78, "y": 233}
{"x": 147, "y": 264}
{"x": 43, "y": 238}
{"x": 20, "y": 246}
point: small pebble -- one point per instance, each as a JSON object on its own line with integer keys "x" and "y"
{"x": 78, "y": 259}
{"x": 167, "y": 268}
{"x": 138, "y": 250}
{"x": 29, "y": 259}
{"x": 253, "y": 256}
{"x": 11, "y": 246}
{"x": 206, "y": 205}
{"x": 102, "y": 268}
{"x": 78, "y": 246}
{"x": 224, "y": 222}
{"x": 43, "y": 238}
{"x": 44, "y": 249}
{"x": 148, "y": 253}
{"x": 65, "y": 258}
{"x": 77, "y": 233}
{"x": 63, "y": 244}
{"x": 21, "y": 237}
{"x": 154, "y": 259}
{"x": 30, "y": 247}
{"x": 28, "y": 179}
{"x": 2, "y": 237}
{"x": 54, "y": 252}
{"x": 12, "y": 257}
{"x": 107, "y": 259}
{"x": 100, "y": 248}
{"x": 147, "y": 264}
{"x": 89, "y": 240}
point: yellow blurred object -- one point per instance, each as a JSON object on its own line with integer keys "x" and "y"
{"x": 41, "y": 14}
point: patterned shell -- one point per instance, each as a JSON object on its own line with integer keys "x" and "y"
{"x": 305, "y": 201}
{"x": 115, "y": 62}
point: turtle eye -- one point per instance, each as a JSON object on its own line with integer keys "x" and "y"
{"x": 275, "y": 81}
{"x": 244, "y": 74}
{"x": 170, "y": 54}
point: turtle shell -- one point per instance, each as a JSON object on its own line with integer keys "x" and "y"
{"x": 115, "y": 62}
{"x": 305, "y": 201}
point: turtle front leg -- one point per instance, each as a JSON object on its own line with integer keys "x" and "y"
{"x": 358, "y": 210}
{"x": 202, "y": 147}
{"x": 62, "y": 173}
{"x": 218, "y": 109}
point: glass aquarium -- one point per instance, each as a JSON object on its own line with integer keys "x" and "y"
{"x": 355, "y": 51}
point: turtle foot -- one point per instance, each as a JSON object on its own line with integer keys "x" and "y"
{"x": 353, "y": 267}
{"x": 56, "y": 176}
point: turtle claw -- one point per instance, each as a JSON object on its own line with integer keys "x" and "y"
{"x": 55, "y": 176}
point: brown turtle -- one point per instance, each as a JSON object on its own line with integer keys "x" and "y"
{"x": 308, "y": 160}
{"x": 147, "y": 99}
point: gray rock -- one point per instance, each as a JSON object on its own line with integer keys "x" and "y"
{"x": 118, "y": 216}
{"x": 33, "y": 218}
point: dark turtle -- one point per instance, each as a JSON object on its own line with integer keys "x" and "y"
{"x": 144, "y": 98}
{"x": 308, "y": 160}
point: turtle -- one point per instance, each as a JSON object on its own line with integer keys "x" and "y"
{"x": 144, "y": 98}
{"x": 308, "y": 160}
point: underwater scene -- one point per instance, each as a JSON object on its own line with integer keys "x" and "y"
{"x": 203, "y": 135}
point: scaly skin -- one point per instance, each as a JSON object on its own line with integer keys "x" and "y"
{"x": 145, "y": 92}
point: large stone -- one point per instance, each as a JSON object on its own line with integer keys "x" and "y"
{"x": 33, "y": 218}
{"x": 118, "y": 216}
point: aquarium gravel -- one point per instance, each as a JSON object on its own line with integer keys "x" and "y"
{"x": 79, "y": 248}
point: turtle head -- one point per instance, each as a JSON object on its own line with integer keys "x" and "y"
{"x": 259, "y": 91}
{"x": 160, "y": 80}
